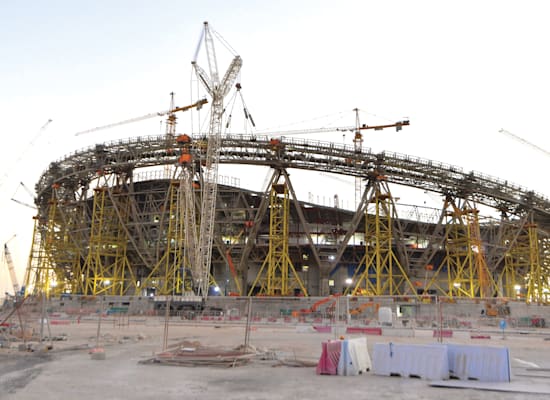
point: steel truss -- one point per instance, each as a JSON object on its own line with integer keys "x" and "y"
{"x": 280, "y": 277}
{"x": 463, "y": 272}
{"x": 380, "y": 271}
{"x": 76, "y": 227}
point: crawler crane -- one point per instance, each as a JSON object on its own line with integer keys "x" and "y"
{"x": 217, "y": 89}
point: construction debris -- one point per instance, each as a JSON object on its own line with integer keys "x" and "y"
{"x": 193, "y": 354}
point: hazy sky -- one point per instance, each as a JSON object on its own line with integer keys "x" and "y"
{"x": 459, "y": 70}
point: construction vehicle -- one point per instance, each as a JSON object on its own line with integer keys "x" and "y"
{"x": 314, "y": 309}
{"x": 359, "y": 309}
{"x": 494, "y": 308}
{"x": 217, "y": 89}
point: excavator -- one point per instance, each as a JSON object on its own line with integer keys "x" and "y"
{"x": 315, "y": 307}
{"x": 496, "y": 308}
{"x": 359, "y": 309}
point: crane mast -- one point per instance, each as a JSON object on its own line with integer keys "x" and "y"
{"x": 217, "y": 90}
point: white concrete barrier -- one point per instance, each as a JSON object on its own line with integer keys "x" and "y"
{"x": 482, "y": 363}
{"x": 354, "y": 357}
{"x": 408, "y": 360}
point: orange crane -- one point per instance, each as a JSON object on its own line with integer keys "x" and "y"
{"x": 197, "y": 104}
{"x": 358, "y": 144}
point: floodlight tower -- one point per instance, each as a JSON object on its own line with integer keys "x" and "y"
{"x": 217, "y": 89}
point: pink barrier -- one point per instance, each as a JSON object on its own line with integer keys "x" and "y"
{"x": 443, "y": 333}
{"x": 328, "y": 363}
{"x": 60, "y": 322}
{"x": 323, "y": 329}
{"x": 480, "y": 336}
{"x": 366, "y": 331}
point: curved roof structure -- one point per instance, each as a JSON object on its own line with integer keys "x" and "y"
{"x": 76, "y": 170}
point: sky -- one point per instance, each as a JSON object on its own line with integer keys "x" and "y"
{"x": 458, "y": 70}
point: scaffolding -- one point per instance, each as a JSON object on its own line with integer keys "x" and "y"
{"x": 280, "y": 277}
{"x": 166, "y": 277}
{"x": 463, "y": 272}
{"x": 134, "y": 231}
{"x": 535, "y": 281}
{"x": 380, "y": 272}
{"x": 107, "y": 269}
{"x": 54, "y": 261}
{"x": 516, "y": 240}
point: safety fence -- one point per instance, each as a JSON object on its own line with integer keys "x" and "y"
{"x": 364, "y": 314}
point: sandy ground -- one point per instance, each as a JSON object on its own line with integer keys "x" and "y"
{"x": 68, "y": 370}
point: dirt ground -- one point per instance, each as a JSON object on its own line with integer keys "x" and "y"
{"x": 68, "y": 371}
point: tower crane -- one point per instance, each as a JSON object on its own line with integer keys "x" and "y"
{"x": 357, "y": 139}
{"x": 358, "y": 143}
{"x": 217, "y": 89}
{"x": 198, "y": 104}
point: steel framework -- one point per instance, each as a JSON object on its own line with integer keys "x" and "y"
{"x": 485, "y": 257}
{"x": 280, "y": 277}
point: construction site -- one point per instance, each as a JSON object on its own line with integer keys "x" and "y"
{"x": 146, "y": 235}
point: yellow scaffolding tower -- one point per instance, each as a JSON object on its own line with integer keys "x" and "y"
{"x": 167, "y": 275}
{"x": 39, "y": 272}
{"x": 517, "y": 261}
{"x": 383, "y": 273}
{"x": 54, "y": 258}
{"x": 106, "y": 269}
{"x": 467, "y": 274}
{"x": 544, "y": 243}
{"x": 280, "y": 278}
{"x": 536, "y": 281}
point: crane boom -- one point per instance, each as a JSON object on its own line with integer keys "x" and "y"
{"x": 11, "y": 268}
{"x": 217, "y": 90}
{"x": 197, "y": 104}
{"x": 397, "y": 125}
{"x": 522, "y": 140}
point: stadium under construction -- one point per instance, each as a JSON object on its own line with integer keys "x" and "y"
{"x": 111, "y": 223}
{"x": 149, "y": 216}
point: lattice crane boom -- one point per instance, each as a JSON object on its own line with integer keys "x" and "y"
{"x": 11, "y": 269}
{"x": 198, "y": 104}
{"x": 217, "y": 90}
{"x": 524, "y": 141}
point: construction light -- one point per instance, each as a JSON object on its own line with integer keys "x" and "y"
{"x": 517, "y": 288}
{"x": 349, "y": 281}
